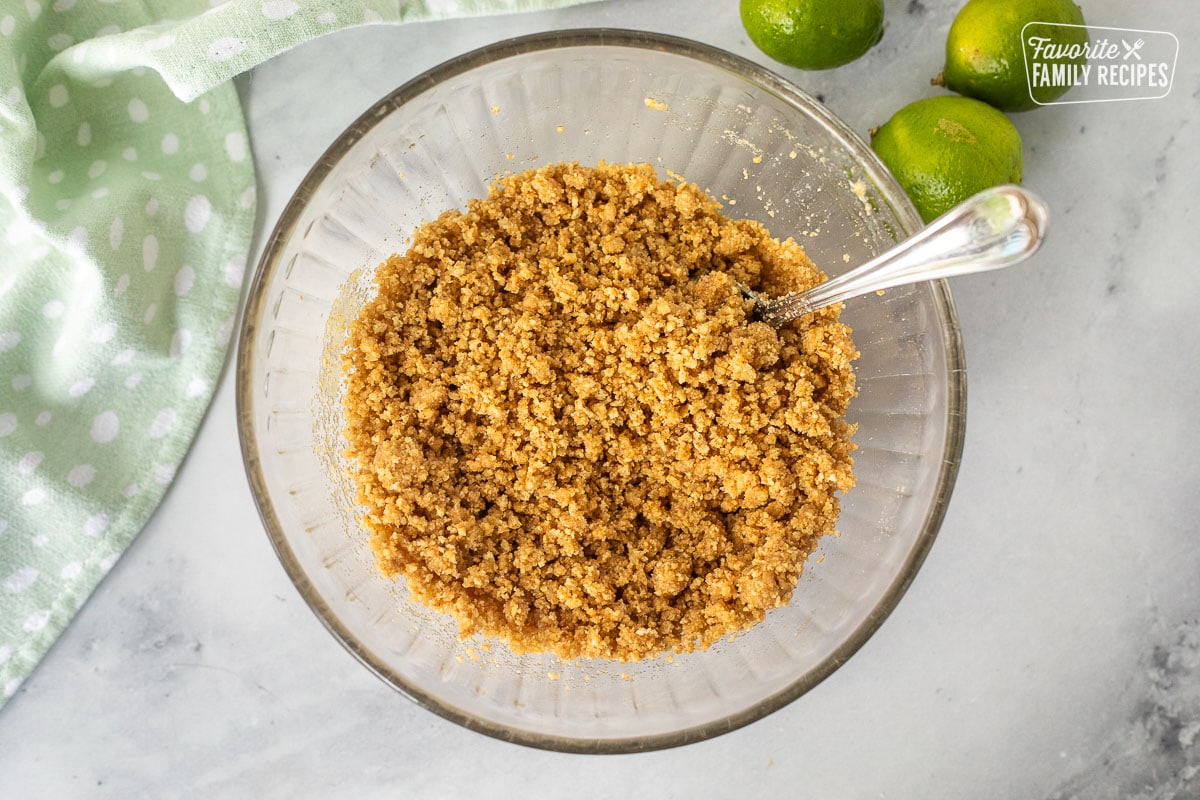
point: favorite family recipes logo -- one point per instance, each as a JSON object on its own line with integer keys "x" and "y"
{"x": 1097, "y": 64}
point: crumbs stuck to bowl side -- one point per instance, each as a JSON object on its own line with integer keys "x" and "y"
{"x": 763, "y": 148}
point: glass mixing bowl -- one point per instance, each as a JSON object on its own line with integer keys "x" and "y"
{"x": 769, "y": 152}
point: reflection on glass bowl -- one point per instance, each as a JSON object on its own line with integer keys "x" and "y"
{"x": 769, "y": 152}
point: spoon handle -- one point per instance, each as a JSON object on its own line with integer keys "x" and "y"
{"x": 996, "y": 228}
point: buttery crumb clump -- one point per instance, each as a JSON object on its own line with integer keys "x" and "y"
{"x": 570, "y": 434}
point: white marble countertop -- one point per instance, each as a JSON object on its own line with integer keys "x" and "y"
{"x": 1049, "y": 648}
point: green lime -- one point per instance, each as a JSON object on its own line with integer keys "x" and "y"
{"x": 942, "y": 150}
{"x": 813, "y": 34}
{"x": 985, "y": 58}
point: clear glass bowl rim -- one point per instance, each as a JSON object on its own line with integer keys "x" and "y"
{"x": 746, "y": 70}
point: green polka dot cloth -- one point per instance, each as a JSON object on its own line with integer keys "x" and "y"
{"x": 126, "y": 208}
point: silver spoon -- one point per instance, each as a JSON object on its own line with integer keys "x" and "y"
{"x": 998, "y": 227}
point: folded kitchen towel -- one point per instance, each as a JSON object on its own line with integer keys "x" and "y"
{"x": 126, "y": 208}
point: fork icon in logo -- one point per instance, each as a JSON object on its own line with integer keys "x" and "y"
{"x": 1132, "y": 49}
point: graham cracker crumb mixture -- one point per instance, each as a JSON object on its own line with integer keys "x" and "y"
{"x": 567, "y": 430}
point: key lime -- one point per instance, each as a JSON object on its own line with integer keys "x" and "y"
{"x": 944, "y": 149}
{"x": 813, "y": 34}
{"x": 984, "y": 52}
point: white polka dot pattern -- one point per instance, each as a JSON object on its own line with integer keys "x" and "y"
{"x": 134, "y": 191}
{"x": 225, "y": 48}
{"x": 279, "y": 9}
{"x": 112, "y": 362}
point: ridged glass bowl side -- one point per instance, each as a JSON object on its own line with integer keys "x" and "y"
{"x": 768, "y": 152}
